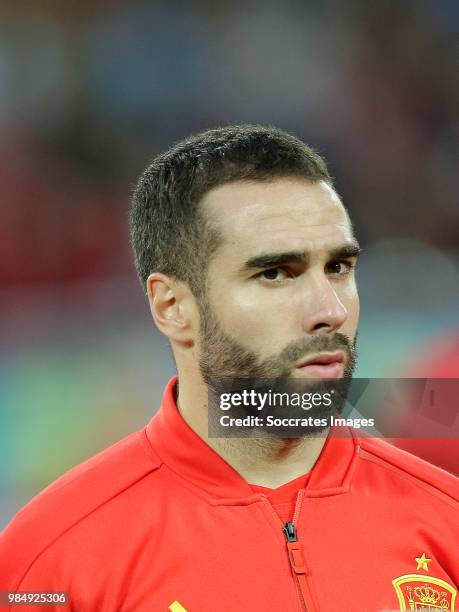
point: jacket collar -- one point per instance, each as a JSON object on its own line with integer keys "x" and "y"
{"x": 189, "y": 456}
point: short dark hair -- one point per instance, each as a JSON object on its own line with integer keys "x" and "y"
{"x": 169, "y": 232}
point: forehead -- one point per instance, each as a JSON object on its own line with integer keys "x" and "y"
{"x": 282, "y": 214}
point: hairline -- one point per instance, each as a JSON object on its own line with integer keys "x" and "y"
{"x": 203, "y": 208}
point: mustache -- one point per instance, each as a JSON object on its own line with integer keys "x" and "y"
{"x": 317, "y": 344}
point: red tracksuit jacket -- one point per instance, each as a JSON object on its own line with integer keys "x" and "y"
{"x": 159, "y": 522}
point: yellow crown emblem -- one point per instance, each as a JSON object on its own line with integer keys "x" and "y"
{"x": 427, "y": 594}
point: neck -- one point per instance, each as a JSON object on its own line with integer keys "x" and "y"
{"x": 268, "y": 462}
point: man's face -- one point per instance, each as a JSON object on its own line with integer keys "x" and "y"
{"x": 281, "y": 287}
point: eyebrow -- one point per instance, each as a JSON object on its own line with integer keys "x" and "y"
{"x": 271, "y": 260}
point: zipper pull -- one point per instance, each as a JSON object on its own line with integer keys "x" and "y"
{"x": 290, "y": 532}
{"x": 298, "y": 565}
{"x": 295, "y": 549}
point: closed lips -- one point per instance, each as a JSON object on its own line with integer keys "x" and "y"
{"x": 322, "y": 359}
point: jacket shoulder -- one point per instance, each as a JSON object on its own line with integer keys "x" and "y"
{"x": 402, "y": 464}
{"x": 69, "y": 499}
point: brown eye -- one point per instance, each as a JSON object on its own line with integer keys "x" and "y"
{"x": 274, "y": 274}
{"x": 271, "y": 274}
{"x": 340, "y": 267}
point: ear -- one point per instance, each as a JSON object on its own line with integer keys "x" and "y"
{"x": 173, "y": 308}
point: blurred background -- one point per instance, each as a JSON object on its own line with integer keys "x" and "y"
{"x": 91, "y": 91}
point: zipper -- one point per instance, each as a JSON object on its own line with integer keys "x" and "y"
{"x": 297, "y": 560}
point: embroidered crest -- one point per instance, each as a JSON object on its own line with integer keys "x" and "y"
{"x": 417, "y": 592}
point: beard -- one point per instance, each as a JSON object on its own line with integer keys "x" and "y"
{"x": 224, "y": 360}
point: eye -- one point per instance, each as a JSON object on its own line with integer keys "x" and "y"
{"x": 276, "y": 275}
{"x": 341, "y": 267}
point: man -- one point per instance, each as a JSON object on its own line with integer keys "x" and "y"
{"x": 248, "y": 257}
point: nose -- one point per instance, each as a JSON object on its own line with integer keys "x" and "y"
{"x": 324, "y": 312}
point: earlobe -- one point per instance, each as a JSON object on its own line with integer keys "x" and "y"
{"x": 169, "y": 305}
